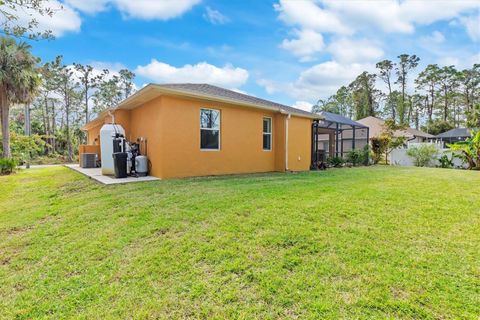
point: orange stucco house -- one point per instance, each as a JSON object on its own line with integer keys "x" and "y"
{"x": 200, "y": 129}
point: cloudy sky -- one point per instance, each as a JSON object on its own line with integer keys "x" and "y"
{"x": 290, "y": 51}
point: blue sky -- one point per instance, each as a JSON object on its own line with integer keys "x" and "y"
{"x": 290, "y": 51}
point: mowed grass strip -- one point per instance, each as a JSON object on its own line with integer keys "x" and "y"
{"x": 376, "y": 242}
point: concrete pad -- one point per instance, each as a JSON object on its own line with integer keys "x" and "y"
{"x": 96, "y": 174}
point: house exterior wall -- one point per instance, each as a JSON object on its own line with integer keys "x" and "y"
{"x": 94, "y": 135}
{"x": 145, "y": 124}
{"x": 241, "y": 149}
{"x": 171, "y": 127}
{"x": 299, "y": 143}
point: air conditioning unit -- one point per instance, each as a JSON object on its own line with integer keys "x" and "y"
{"x": 88, "y": 160}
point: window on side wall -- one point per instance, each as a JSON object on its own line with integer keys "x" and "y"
{"x": 267, "y": 134}
{"x": 209, "y": 129}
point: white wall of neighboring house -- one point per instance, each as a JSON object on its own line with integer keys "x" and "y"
{"x": 399, "y": 157}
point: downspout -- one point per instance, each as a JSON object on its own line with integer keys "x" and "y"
{"x": 286, "y": 141}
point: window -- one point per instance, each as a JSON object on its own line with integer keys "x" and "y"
{"x": 267, "y": 134}
{"x": 209, "y": 129}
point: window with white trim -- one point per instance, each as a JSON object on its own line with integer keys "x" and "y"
{"x": 267, "y": 134}
{"x": 209, "y": 129}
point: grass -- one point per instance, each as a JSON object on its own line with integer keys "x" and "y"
{"x": 378, "y": 242}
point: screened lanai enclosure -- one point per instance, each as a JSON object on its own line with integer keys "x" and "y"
{"x": 335, "y": 136}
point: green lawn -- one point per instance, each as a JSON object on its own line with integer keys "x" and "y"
{"x": 378, "y": 242}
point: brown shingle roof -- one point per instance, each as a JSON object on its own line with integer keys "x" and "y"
{"x": 376, "y": 126}
{"x": 202, "y": 90}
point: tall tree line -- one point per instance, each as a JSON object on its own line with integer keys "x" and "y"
{"x": 51, "y": 100}
{"x": 436, "y": 99}
{"x": 69, "y": 96}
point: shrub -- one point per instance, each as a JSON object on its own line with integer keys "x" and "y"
{"x": 335, "y": 161}
{"x": 353, "y": 157}
{"x": 25, "y": 147}
{"x": 358, "y": 156}
{"x": 7, "y": 165}
{"x": 445, "y": 162}
{"x": 378, "y": 149}
{"x": 423, "y": 155}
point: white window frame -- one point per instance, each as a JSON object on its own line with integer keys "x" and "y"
{"x": 268, "y": 133}
{"x": 211, "y": 129}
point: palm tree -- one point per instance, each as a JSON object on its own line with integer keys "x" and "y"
{"x": 19, "y": 81}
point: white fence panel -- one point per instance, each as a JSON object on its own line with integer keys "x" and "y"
{"x": 399, "y": 157}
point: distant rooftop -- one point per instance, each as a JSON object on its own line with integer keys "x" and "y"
{"x": 455, "y": 133}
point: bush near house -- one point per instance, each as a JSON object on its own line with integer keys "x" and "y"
{"x": 424, "y": 155}
{"x": 335, "y": 162}
{"x": 358, "y": 156}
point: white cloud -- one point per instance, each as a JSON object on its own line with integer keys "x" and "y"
{"x": 346, "y": 17}
{"x": 352, "y": 50}
{"x": 151, "y": 10}
{"x": 215, "y": 16}
{"x": 141, "y": 9}
{"x": 461, "y": 60}
{"x": 324, "y": 79}
{"x": 472, "y": 26}
{"x": 303, "y": 105}
{"x": 268, "y": 85}
{"x": 437, "y": 37}
{"x": 227, "y": 76}
{"x": 88, "y": 6}
{"x": 307, "y": 14}
{"x": 385, "y": 15}
{"x": 66, "y": 18}
{"x": 308, "y": 42}
{"x": 319, "y": 81}
{"x": 63, "y": 20}
{"x": 397, "y": 16}
{"x": 433, "y": 42}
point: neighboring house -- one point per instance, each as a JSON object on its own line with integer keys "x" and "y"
{"x": 200, "y": 129}
{"x": 454, "y": 135}
{"x": 377, "y": 126}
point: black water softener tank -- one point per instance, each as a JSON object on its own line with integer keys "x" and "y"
{"x": 120, "y": 164}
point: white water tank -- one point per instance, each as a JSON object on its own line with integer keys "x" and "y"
{"x": 107, "y": 134}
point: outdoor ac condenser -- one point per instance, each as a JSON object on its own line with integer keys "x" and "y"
{"x": 88, "y": 160}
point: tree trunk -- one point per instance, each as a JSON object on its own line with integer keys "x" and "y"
{"x": 86, "y": 104}
{"x": 28, "y": 129}
{"x": 4, "y": 113}
{"x": 392, "y": 105}
{"x": 54, "y": 125}
{"x": 432, "y": 96}
{"x": 445, "y": 107}
{"x": 67, "y": 126}
{"x": 409, "y": 114}
{"x": 47, "y": 125}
